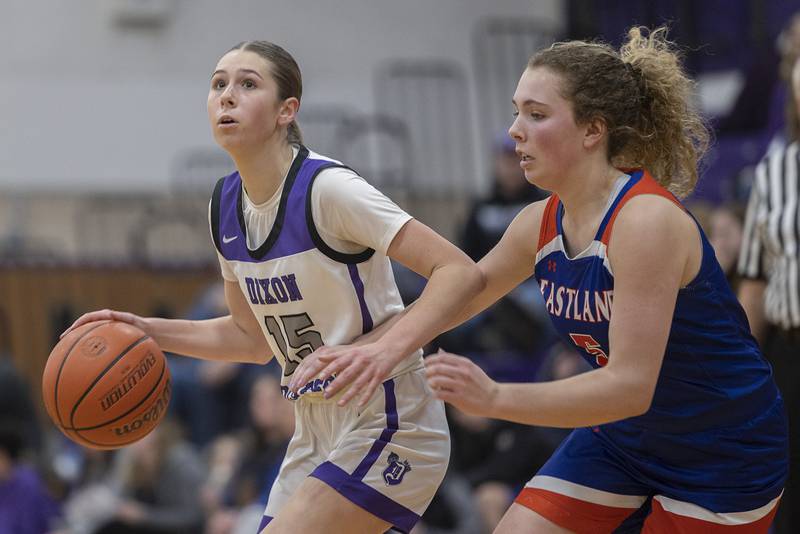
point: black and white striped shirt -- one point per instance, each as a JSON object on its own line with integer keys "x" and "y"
{"x": 771, "y": 241}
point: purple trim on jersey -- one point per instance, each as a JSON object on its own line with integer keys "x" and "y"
{"x": 264, "y": 522}
{"x": 366, "y": 496}
{"x": 386, "y": 435}
{"x": 366, "y": 318}
{"x": 232, "y": 240}
{"x": 290, "y": 224}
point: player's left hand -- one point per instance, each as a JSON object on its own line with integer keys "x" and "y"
{"x": 460, "y": 382}
{"x": 361, "y": 367}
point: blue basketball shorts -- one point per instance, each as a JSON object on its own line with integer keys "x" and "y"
{"x": 589, "y": 486}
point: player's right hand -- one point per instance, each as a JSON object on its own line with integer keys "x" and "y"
{"x": 106, "y": 315}
{"x": 360, "y": 368}
{"x": 459, "y": 381}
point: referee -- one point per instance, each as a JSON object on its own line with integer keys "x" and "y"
{"x": 769, "y": 264}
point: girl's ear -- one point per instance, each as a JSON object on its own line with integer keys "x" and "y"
{"x": 596, "y": 131}
{"x": 288, "y": 111}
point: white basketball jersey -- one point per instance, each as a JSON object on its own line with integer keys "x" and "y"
{"x": 303, "y": 293}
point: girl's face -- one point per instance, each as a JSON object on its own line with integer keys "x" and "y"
{"x": 547, "y": 139}
{"x": 243, "y": 105}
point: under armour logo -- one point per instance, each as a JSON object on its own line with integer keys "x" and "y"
{"x": 551, "y": 266}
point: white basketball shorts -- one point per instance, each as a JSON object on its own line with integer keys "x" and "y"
{"x": 388, "y": 458}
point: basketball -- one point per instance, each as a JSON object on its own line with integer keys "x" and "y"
{"x": 106, "y": 384}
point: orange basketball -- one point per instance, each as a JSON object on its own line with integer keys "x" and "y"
{"x": 106, "y": 384}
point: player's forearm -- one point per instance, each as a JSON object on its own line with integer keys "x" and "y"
{"x": 483, "y": 300}
{"x": 211, "y": 339}
{"x": 473, "y": 307}
{"x": 448, "y": 290}
{"x": 588, "y": 399}
{"x": 376, "y": 333}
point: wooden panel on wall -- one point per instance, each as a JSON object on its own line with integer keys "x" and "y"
{"x": 36, "y": 303}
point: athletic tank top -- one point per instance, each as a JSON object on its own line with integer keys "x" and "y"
{"x": 303, "y": 293}
{"x": 713, "y": 374}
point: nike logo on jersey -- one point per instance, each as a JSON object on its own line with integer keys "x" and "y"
{"x": 226, "y": 239}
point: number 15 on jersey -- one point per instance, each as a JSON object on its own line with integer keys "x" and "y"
{"x": 297, "y": 337}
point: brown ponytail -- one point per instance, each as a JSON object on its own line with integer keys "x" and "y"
{"x": 294, "y": 136}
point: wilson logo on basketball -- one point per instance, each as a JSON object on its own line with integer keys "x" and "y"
{"x": 153, "y": 414}
{"x": 130, "y": 381}
{"x": 94, "y": 346}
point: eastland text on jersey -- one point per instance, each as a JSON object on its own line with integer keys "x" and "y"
{"x": 576, "y": 304}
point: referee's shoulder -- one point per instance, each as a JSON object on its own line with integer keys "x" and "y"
{"x": 779, "y": 152}
{"x": 776, "y": 162}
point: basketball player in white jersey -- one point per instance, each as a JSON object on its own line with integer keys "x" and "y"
{"x": 304, "y": 246}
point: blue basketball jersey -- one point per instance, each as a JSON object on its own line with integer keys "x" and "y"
{"x": 715, "y": 401}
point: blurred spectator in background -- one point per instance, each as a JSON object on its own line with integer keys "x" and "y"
{"x": 489, "y": 217}
{"x": 25, "y": 505}
{"x": 153, "y": 487}
{"x": 517, "y": 322}
{"x": 16, "y": 404}
{"x": 206, "y": 394}
{"x": 224, "y": 456}
{"x": 74, "y": 467}
{"x": 159, "y": 480}
{"x": 244, "y": 465}
{"x": 453, "y": 509}
{"x": 725, "y": 227}
{"x": 490, "y": 459}
{"x": 769, "y": 264}
{"x": 494, "y": 457}
{"x": 789, "y": 49}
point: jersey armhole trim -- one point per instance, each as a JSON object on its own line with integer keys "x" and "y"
{"x": 323, "y": 247}
{"x": 547, "y": 228}
{"x": 645, "y": 185}
{"x": 215, "y": 201}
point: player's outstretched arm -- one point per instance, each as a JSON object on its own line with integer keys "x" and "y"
{"x": 446, "y": 302}
{"x": 655, "y": 249}
{"x": 236, "y": 337}
{"x": 453, "y": 280}
{"x": 506, "y": 266}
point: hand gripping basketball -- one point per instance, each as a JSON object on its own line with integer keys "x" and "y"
{"x": 106, "y": 384}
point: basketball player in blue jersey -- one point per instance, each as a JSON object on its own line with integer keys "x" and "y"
{"x": 681, "y": 410}
{"x": 304, "y": 246}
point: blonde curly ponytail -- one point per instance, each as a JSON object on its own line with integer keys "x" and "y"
{"x": 645, "y": 98}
